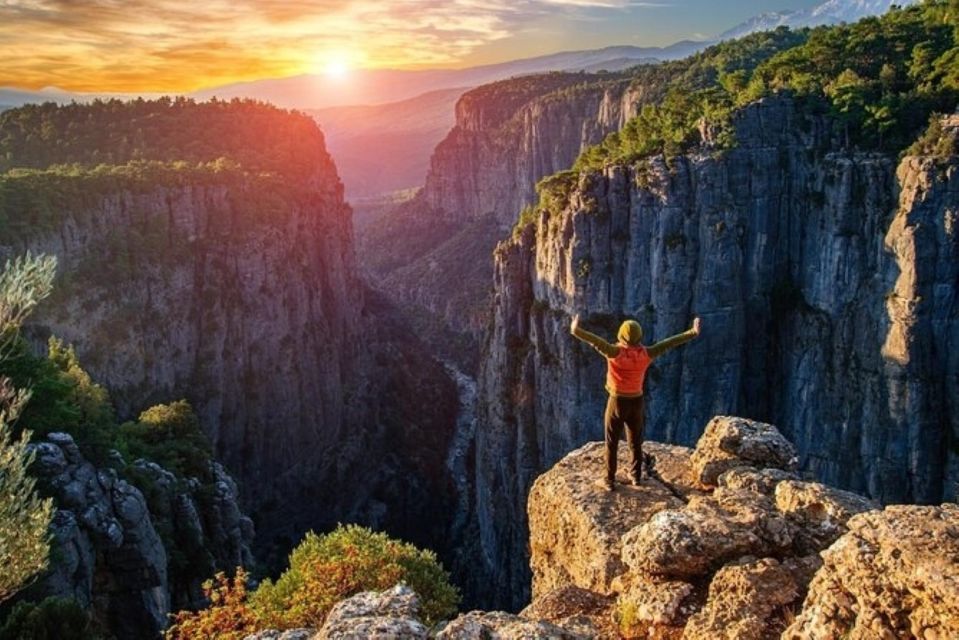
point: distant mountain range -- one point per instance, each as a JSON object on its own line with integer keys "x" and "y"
{"x": 830, "y": 12}
{"x": 380, "y": 86}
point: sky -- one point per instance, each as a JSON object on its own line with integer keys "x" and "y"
{"x": 176, "y": 46}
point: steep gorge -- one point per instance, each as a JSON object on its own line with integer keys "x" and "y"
{"x": 826, "y": 281}
{"x": 235, "y": 286}
{"x": 431, "y": 254}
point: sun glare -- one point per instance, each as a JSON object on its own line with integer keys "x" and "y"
{"x": 336, "y": 67}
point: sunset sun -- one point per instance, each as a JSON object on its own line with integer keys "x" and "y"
{"x": 336, "y": 68}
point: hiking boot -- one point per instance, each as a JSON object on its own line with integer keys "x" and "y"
{"x": 649, "y": 464}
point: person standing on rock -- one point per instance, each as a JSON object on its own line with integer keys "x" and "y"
{"x": 626, "y": 365}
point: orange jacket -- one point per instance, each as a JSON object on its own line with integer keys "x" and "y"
{"x": 626, "y": 372}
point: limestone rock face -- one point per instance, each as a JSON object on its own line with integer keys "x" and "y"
{"x": 243, "y": 296}
{"x": 132, "y": 558}
{"x": 201, "y": 523}
{"x": 433, "y": 253}
{"x": 826, "y": 283}
{"x": 107, "y": 553}
{"x": 895, "y": 574}
{"x": 730, "y": 562}
{"x": 388, "y": 615}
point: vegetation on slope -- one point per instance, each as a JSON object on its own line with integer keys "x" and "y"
{"x": 255, "y": 135}
{"x": 881, "y": 80}
{"x": 56, "y": 159}
{"x": 24, "y": 517}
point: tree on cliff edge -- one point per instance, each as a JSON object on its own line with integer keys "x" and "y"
{"x": 24, "y": 517}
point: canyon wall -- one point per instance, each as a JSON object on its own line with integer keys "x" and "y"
{"x": 826, "y": 281}
{"x": 239, "y": 292}
{"x": 432, "y": 253}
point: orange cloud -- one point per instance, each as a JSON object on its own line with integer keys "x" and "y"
{"x": 178, "y": 46}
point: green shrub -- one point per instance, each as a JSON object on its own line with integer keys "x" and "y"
{"x": 171, "y": 436}
{"x": 329, "y": 568}
{"x": 936, "y": 141}
{"x": 63, "y": 397}
{"x": 50, "y": 619}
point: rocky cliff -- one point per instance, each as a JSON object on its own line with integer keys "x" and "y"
{"x": 235, "y": 287}
{"x": 432, "y": 253}
{"x": 129, "y": 559}
{"x": 752, "y": 553}
{"x": 826, "y": 282}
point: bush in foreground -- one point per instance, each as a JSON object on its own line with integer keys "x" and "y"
{"x": 352, "y": 559}
{"x": 324, "y": 569}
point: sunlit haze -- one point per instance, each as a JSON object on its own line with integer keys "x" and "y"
{"x": 169, "y": 45}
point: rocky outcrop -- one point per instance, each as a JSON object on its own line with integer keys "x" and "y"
{"x": 729, "y": 443}
{"x": 201, "y": 526}
{"x": 377, "y": 616}
{"x": 129, "y": 558}
{"x": 894, "y": 575}
{"x": 575, "y": 608}
{"x": 826, "y": 281}
{"x": 583, "y": 546}
{"x": 736, "y": 561}
{"x": 395, "y": 615}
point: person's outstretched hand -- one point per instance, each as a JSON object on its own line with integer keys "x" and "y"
{"x": 575, "y": 324}
{"x": 696, "y": 325}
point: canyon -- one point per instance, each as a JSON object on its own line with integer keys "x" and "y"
{"x": 237, "y": 290}
{"x": 418, "y": 376}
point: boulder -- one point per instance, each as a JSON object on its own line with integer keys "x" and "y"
{"x": 819, "y": 512}
{"x": 575, "y": 609}
{"x": 647, "y": 602}
{"x": 387, "y": 615}
{"x": 894, "y": 574}
{"x": 757, "y": 480}
{"x": 747, "y": 601}
{"x": 576, "y": 525}
{"x": 729, "y": 442}
{"x": 706, "y": 533}
{"x": 497, "y": 625}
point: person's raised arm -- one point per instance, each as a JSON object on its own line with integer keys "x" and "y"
{"x": 605, "y": 348}
{"x": 672, "y": 342}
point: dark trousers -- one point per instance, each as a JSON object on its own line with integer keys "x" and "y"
{"x": 628, "y": 414}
